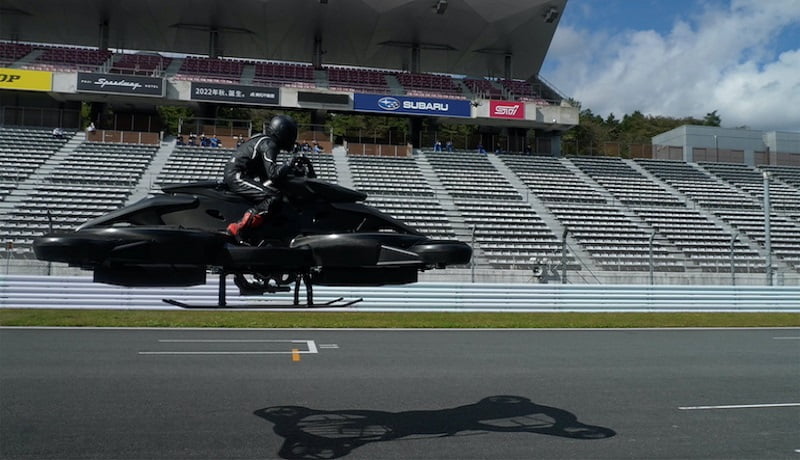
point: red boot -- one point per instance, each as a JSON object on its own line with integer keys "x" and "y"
{"x": 248, "y": 221}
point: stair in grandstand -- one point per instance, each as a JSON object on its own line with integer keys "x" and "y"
{"x": 395, "y": 87}
{"x": 147, "y": 184}
{"x": 728, "y": 209}
{"x": 27, "y": 59}
{"x": 584, "y": 258}
{"x": 321, "y": 79}
{"x": 344, "y": 178}
{"x": 20, "y": 193}
{"x": 173, "y": 67}
{"x": 462, "y": 231}
{"x": 575, "y": 165}
{"x": 248, "y": 73}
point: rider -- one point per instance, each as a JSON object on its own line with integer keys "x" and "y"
{"x": 253, "y": 171}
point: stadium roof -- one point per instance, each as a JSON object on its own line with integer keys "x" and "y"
{"x": 469, "y": 37}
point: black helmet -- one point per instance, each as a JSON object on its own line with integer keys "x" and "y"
{"x": 283, "y": 130}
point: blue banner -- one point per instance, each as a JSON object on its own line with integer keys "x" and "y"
{"x": 415, "y": 105}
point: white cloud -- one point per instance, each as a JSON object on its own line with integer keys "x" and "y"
{"x": 720, "y": 59}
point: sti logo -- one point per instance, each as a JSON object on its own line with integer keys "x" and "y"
{"x": 388, "y": 103}
{"x": 506, "y": 109}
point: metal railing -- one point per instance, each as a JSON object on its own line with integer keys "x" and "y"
{"x": 81, "y": 292}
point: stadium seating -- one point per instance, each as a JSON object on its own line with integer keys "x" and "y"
{"x": 429, "y": 85}
{"x": 60, "y": 58}
{"x": 396, "y": 186}
{"x": 506, "y": 228}
{"x": 192, "y": 163}
{"x": 611, "y": 206}
{"x": 736, "y": 207}
{"x": 105, "y": 164}
{"x": 58, "y": 207}
{"x": 355, "y": 79}
{"x": 11, "y": 52}
{"x": 613, "y": 239}
{"x": 141, "y": 64}
{"x": 23, "y": 150}
{"x": 210, "y": 69}
{"x": 483, "y": 88}
{"x": 705, "y": 244}
{"x": 284, "y": 74}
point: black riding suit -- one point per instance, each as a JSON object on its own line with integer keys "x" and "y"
{"x": 253, "y": 172}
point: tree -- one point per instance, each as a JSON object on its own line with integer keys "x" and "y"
{"x": 712, "y": 119}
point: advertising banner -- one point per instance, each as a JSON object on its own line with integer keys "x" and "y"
{"x": 132, "y": 85}
{"x": 414, "y": 105}
{"x": 235, "y": 94}
{"x": 26, "y": 80}
{"x": 507, "y": 109}
{"x": 323, "y": 98}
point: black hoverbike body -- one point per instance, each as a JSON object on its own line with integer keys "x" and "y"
{"x": 320, "y": 232}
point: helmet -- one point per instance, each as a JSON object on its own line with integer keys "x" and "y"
{"x": 283, "y": 130}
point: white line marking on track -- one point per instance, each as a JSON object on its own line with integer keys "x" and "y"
{"x": 740, "y": 406}
{"x": 310, "y": 344}
{"x": 786, "y": 338}
{"x": 328, "y": 346}
{"x": 231, "y": 341}
{"x": 221, "y": 352}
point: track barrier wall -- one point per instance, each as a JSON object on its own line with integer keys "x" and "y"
{"x": 17, "y": 291}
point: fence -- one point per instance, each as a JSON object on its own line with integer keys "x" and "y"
{"x": 81, "y": 292}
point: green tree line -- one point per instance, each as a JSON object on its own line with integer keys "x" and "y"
{"x": 598, "y": 135}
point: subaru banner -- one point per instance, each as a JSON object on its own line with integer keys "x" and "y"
{"x": 235, "y": 94}
{"x": 133, "y": 85}
{"x": 415, "y": 105}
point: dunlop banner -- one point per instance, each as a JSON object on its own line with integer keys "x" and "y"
{"x": 26, "y": 80}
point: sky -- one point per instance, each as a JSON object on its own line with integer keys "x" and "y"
{"x": 682, "y": 58}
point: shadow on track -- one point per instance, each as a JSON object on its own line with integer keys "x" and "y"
{"x": 319, "y": 434}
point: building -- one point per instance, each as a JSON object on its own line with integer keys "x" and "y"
{"x": 725, "y": 145}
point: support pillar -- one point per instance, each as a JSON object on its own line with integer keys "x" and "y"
{"x": 102, "y": 42}
{"x": 316, "y": 59}
{"x": 414, "y": 130}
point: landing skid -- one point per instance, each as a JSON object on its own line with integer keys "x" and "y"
{"x": 304, "y": 278}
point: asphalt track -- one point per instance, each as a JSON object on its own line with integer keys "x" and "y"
{"x": 311, "y": 394}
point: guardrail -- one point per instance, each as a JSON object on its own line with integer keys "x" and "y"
{"x": 80, "y": 292}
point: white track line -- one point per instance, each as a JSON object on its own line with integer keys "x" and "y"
{"x": 740, "y": 406}
{"x": 312, "y": 347}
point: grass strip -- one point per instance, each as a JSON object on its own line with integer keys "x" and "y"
{"x": 321, "y": 319}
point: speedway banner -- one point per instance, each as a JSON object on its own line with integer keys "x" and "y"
{"x": 235, "y": 94}
{"x": 132, "y": 85}
{"x": 507, "y": 109}
{"x": 414, "y": 105}
{"x": 26, "y": 80}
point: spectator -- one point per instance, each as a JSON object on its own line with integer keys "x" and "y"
{"x": 481, "y": 149}
{"x": 449, "y": 146}
{"x": 437, "y": 146}
{"x": 180, "y": 140}
{"x": 528, "y": 149}
{"x": 306, "y": 147}
{"x": 316, "y": 147}
{"x": 91, "y": 128}
{"x": 214, "y": 141}
{"x": 58, "y": 133}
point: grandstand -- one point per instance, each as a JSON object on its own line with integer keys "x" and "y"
{"x": 621, "y": 215}
{"x": 607, "y": 219}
